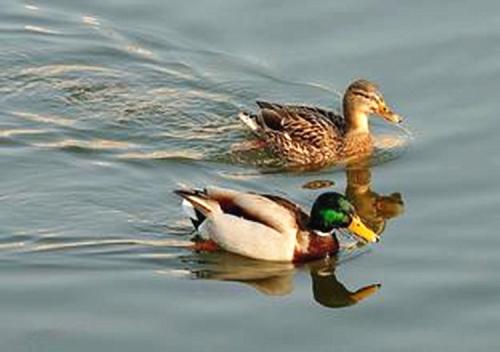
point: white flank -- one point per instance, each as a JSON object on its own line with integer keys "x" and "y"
{"x": 249, "y": 238}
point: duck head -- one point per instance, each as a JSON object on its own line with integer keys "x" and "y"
{"x": 361, "y": 99}
{"x": 332, "y": 210}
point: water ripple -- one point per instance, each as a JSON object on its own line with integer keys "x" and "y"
{"x": 97, "y": 144}
{"x": 45, "y": 119}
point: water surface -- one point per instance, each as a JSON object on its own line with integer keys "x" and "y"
{"x": 106, "y": 106}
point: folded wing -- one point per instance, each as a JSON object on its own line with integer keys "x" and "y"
{"x": 303, "y": 124}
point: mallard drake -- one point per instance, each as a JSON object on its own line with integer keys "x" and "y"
{"x": 306, "y": 135}
{"x": 268, "y": 227}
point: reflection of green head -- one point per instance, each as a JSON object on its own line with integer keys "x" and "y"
{"x": 330, "y": 210}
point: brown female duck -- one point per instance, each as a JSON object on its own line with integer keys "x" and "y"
{"x": 306, "y": 135}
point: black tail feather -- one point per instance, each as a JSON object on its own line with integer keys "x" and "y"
{"x": 185, "y": 193}
{"x": 195, "y": 197}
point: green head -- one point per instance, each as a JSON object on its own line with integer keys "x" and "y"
{"x": 332, "y": 210}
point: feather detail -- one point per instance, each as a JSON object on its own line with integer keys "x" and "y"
{"x": 250, "y": 238}
{"x": 199, "y": 201}
{"x": 255, "y": 207}
{"x": 189, "y": 210}
{"x": 299, "y": 134}
{"x": 249, "y": 120}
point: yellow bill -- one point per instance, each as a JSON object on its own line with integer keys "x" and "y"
{"x": 358, "y": 228}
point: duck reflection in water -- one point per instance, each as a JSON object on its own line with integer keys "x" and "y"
{"x": 374, "y": 209}
{"x": 276, "y": 278}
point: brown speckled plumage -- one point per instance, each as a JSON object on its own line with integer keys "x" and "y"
{"x": 306, "y": 135}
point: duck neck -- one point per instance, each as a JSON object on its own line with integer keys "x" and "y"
{"x": 311, "y": 246}
{"x": 356, "y": 120}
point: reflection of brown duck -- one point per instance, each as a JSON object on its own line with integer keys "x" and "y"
{"x": 276, "y": 279}
{"x": 373, "y": 208}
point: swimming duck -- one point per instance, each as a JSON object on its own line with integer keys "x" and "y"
{"x": 306, "y": 135}
{"x": 268, "y": 227}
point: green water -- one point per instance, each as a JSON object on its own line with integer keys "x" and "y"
{"x": 106, "y": 106}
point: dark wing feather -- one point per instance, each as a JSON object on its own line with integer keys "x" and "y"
{"x": 304, "y": 110}
{"x": 306, "y": 127}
